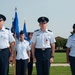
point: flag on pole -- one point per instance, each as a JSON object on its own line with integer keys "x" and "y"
{"x": 25, "y": 31}
{"x": 15, "y": 24}
{"x": 12, "y": 28}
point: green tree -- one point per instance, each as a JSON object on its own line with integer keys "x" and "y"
{"x": 60, "y": 43}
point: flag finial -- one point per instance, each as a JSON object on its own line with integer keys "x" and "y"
{"x": 12, "y": 19}
{"x": 24, "y": 21}
{"x": 15, "y": 8}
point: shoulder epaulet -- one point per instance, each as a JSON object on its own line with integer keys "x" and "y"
{"x": 49, "y": 30}
{"x": 36, "y": 30}
{"x": 71, "y": 35}
{"x": 7, "y": 28}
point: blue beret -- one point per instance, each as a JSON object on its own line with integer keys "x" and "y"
{"x": 43, "y": 19}
{"x": 2, "y": 17}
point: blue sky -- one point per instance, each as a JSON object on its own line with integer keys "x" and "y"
{"x": 61, "y": 14}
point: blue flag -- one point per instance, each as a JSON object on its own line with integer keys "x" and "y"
{"x": 15, "y": 25}
{"x": 25, "y": 32}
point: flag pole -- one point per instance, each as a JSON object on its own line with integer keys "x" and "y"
{"x": 14, "y": 66}
{"x": 16, "y": 27}
{"x": 24, "y": 21}
{"x": 25, "y": 31}
{"x": 13, "y": 62}
{"x": 15, "y": 9}
{"x": 27, "y": 68}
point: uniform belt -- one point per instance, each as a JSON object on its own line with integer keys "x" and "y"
{"x": 3, "y": 49}
{"x": 43, "y": 49}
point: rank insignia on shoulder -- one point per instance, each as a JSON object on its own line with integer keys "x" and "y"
{"x": 7, "y": 28}
{"x": 36, "y": 30}
{"x": 71, "y": 35}
{"x": 49, "y": 30}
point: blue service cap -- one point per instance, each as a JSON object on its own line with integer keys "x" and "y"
{"x": 73, "y": 26}
{"x": 43, "y": 19}
{"x": 2, "y": 17}
{"x": 21, "y": 32}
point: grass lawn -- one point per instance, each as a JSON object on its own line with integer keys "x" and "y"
{"x": 59, "y": 70}
{"x": 11, "y": 71}
{"x": 55, "y": 70}
{"x": 60, "y": 58}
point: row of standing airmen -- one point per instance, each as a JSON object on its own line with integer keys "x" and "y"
{"x": 40, "y": 49}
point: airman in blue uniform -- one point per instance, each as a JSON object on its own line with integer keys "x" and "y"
{"x": 22, "y": 49}
{"x": 6, "y": 41}
{"x": 43, "y": 47}
{"x": 70, "y": 53}
{"x": 30, "y": 64}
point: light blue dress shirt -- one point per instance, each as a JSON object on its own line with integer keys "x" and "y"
{"x": 71, "y": 44}
{"x": 21, "y": 49}
{"x": 43, "y": 39}
{"x": 6, "y": 38}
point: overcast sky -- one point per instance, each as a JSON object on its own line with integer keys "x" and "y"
{"x": 61, "y": 14}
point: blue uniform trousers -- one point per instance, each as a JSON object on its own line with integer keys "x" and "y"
{"x": 72, "y": 64}
{"x": 43, "y": 61}
{"x": 30, "y": 66}
{"x": 4, "y": 61}
{"x": 21, "y": 66}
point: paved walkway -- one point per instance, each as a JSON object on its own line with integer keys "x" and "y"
{"x": 60, "y": 64}
{"x": 57, "y": 64}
